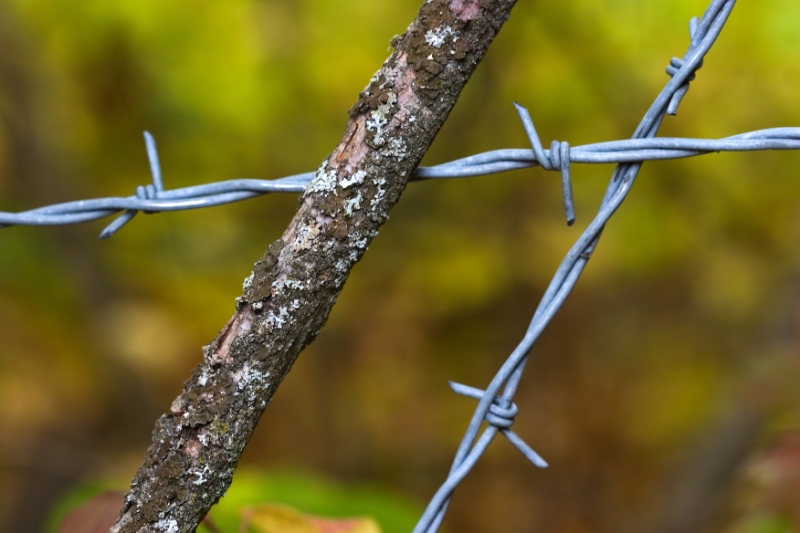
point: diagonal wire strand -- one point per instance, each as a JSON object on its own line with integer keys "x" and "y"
{"x": 703, "y": 34}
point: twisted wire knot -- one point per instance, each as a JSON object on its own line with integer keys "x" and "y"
{"x": 558, "y": 158}
{"x": 476, "y": 439}
{"x": 147, "y": 192}
{"x": 143, "y": 192}
{"x": 676, "y": 64}
{"x": 501, "y": 414}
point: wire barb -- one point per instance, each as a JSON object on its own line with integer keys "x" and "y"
{"x": 148, "y": 192}
{"x": 557, "y": 159}
{"x": 629, "y": 155}
{"x": 676, "y": 64}
{"x": 501, "y": 414}
{"x": 153, "y": 198}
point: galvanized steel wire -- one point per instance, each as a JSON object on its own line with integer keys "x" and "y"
{"x": 495, "y": 404}
{"x": 153, "y": 198}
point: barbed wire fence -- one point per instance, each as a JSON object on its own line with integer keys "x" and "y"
{"x": 495, "y": 406}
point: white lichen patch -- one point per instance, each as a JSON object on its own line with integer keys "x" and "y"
{"x": 343, "y": 265}
{"x": 257, "y": 306}
{"x": 167, "y": 526}
{"x": 375, "y": 77}
{"x": 380, "y": 117}
{"x": 295, "y": 304}
{"x": 379, "y": 194}
{"x": 355, "y": 179}
{"x": 248, "y": 282}
{"x": 325, "y": 180}
{"x": 251, "y": 382}
{"x": 277, "y": 320}
{"x": 201, "y": 476}
{"x": 397, "y": 148}
{"x": 438, "y": 37}
{"x": 249, "y": 376}
{"x": 352, "y": 204}
{"x": 305, "y": 236}
{"x": 293, "y": 284}
{"x": 203, "y": 378}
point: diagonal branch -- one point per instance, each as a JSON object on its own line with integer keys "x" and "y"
{"x": 293, "y": 287}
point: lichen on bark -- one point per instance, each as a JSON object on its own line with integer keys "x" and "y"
{"x": 287, "y": 298}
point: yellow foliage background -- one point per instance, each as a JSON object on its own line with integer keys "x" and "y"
{"x": 683, "y": 326}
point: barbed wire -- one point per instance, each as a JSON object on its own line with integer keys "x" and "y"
{"x": 494, "y": 407}
{"x": 153, "y": 198}
{"x": 497, "y": 408}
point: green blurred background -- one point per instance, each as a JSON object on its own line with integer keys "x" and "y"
{"x": 664, "y": 394}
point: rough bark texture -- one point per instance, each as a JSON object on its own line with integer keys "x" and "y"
{"x": 293, "y": 287}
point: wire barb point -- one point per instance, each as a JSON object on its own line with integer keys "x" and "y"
{"x": 558, "y": 158}
{"x": 501, "y": 414}
{"x": 149, "y": 192}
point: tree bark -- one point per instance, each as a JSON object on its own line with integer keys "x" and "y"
{"x": 293, "y": 287}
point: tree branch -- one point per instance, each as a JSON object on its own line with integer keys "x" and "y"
{"x": 293, "y": 287}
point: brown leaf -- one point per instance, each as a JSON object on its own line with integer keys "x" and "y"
{"x": 95, "y": 516}
{"x": 778, "y": 471}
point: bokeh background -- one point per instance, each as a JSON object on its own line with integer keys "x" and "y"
{"x": 664, "y": 394}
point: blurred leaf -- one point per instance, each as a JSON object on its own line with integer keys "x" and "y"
{"x": 346, "y": 525}
{"x": 95, "y": 516}
{"x": 313, "y": 494}
{"x": 272, "y": 518}
{"x": 331, "y": 508}
{"x": 275, "y": 519}
{"x": 76, "y": 497}
{"x": 766, "y": 523}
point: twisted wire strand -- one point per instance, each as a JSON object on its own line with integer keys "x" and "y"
{"x": 153, "y": 198}
{"x": 703, "y": 34}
